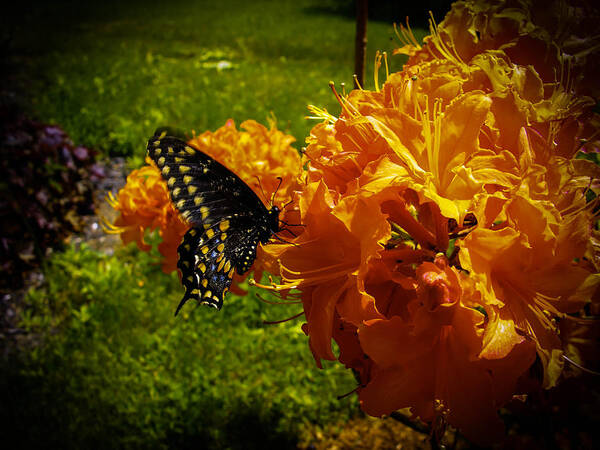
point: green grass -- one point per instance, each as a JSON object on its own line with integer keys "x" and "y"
{"x": 111, "y": 74}
{"x": 112, "y": 367}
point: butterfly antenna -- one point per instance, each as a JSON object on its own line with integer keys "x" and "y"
{"x": 276, "y": 189}
{"x": 260, "y": 186}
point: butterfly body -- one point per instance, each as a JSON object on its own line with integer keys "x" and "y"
{"x": 227, "y": 219}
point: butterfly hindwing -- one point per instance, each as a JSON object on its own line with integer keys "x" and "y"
{"x": 185, "y": 264}
{"x": 208, "y": 264}
{"x": 227, "y": 219}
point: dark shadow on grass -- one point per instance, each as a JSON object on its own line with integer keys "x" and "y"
{"x": 43, "y": 406}
{"x": 386, "y": 10}
{"x": 246, "y": 427}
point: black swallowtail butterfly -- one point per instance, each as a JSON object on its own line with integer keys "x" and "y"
{"x": 228, "y": 219}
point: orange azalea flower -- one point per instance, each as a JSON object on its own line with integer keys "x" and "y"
{"x": 525, "y": 31}
{"x": 325, "y": 261}
{"x": 353, "y": 276}
{"x": 144, "y": 204}
{"x": 432, "y": 362}
{"x": 465, "y": 153}
{"x": 535, "y": 76}
{"x": 526, "y": 270}
{"x": 255, "y": 154}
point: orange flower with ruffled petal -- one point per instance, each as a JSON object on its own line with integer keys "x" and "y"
{"x": 524, "y": 261}
{"x": 432, "y": 362}
{"x": 258, "y": 155}
{"x": 325, "y": 261}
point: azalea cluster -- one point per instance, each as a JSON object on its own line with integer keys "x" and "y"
{"x": 448, "y": 227}
{"x": 263, "y": 157}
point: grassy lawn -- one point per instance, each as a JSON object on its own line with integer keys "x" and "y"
{"x": 110, "y": 366}
{"x": 111, "y": 74}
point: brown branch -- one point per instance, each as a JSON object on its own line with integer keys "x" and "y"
{"x": 417, "y": 426}
{"x": 360, "y": 47}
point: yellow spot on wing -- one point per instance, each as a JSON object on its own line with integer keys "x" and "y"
{"x": 157, "y": 151}
{"x": 170, "y": 150}
{"x": 197, "y": 200}
{"x": 205, "y": 249}
{"x": 171, "y": 181}
{"x": 162, "y": 135}
{"x": 220, "y": 266}
{"x": 192, "y": 189}
{"x": 220, "y": 247}
{"x": 223, "y": 236}
{"x": 180, "y": 204}
{"x": 205, "y": 282}
{"x": 184, "y": 169}
{"x": 190, "y": 150}
{"x": 220, "y": 257}
{"x": 187, "y": 179}
{"x": 161, "y": 161}
{"x": 192, "y": 232}
{"x": 178, "y": 159}
{"x": 156, "y": 143}
{"x": 176, "y": 191}
{"x": 227, "y": 266}
{"x": 224, "y": 225}
{"x": 204, "y": 212}
{"x": 206, "y": 226}
{"x": 195, "y": 291}
{"x": 202, "y": 267}
{"x": 165, "y": 170}
{"x": 230, "y": 274}
{"x": 210, "y": 233}
{"x": 207, "y": 294}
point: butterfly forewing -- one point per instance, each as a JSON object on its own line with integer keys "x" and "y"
{"x": 228, "y": 219}
{"x": 202, "y": 189}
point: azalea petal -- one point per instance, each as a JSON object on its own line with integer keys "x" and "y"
{"x": 500, "y": 334}
{"x": 461, "y": 124}
{"x": 319, "y": 316}
{"x": 394, "y": 388}
{"x": 390, "y": 342}
{"x": 398, "y": 147}
{"x": 356, "y": 306}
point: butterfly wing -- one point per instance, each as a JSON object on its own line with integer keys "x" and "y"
{"x": 208, "y": 258}
{"x": 228, "y": 219}
{"x": 202, "y": 189}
